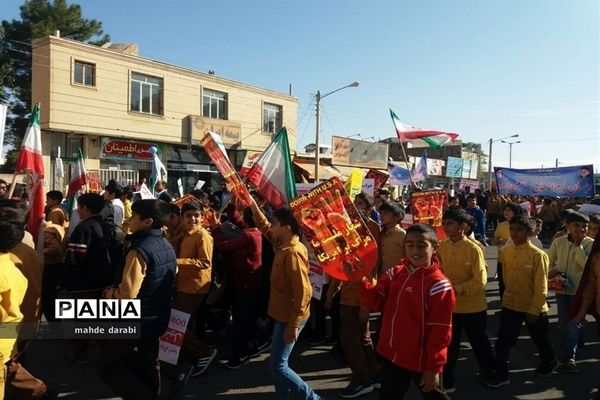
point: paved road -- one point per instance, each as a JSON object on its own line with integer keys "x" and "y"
{"x": 327, "y": 373}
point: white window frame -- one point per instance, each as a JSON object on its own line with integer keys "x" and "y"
{"x": 151, "y": 86}
{"x": 84, "y": 64}
{"x": 272, "y": 113}
{"x": 222, "y": 103}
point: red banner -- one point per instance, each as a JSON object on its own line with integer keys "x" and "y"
{"x": 379, "y": 178}
{"x": 427, "y": 207}
{"x": 335, "y": 231}
{"x": 93, "y": 181}
{"x": 217, "y": 154}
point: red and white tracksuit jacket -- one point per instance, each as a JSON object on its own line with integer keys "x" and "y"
{"x": 417, "y": 315}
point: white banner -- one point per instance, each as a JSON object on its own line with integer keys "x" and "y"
{"x": 368, "y": 186}
{"x": 170, "y": 343}
{"x": 145, "y": 192}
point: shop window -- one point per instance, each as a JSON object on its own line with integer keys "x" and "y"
{"x": 84, "y": 73}
{"x": 214, "y": 104}
{"x": 271, "y": 118}
{"x": 146, "y": 94}
{"x": 68, "y": 143}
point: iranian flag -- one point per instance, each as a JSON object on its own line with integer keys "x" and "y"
{"x": 435, "y": 139}
{"x": 78, "y": 176}
{"x": 30, "y": 160}
{"x": 272, "y": 172}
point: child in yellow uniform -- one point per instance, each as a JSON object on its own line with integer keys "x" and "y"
{"x": 462, "y": 261}
{"x": 13, "y": 286}
{"x": 526, "y": 278}
{"x": 502, "y": 237}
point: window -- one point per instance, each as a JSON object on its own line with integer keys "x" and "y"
{"x": 146, "y": 94}
{"x": 214, "y": 104}
{"x": 84, "y": 73}
{"x": 68, "y": 143}
{"x": 271, "y": 118}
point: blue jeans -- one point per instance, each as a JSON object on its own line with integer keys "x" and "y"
{"x": 570, "y": 330}
{"x": 286, "y": 380}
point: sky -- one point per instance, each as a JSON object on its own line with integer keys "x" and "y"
{"x": 482, "y": 69}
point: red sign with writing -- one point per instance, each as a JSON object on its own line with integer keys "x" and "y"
{"x": 379, "y": 178}
{"x": 122, "y": 149}
{"x": 427, "y": 207}
{"x": 93, "y": 181}
{"x": 335, "y": 231}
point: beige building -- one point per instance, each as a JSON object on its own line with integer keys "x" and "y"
{"x": 115, "y": 105}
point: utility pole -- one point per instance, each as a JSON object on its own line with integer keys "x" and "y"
{"x": 317, "y": 144}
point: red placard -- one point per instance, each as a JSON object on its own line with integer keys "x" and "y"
{"x": 93, "y": 181}
{"x": 427, "y": 207}
{"x": 335, "y": 231}
{"x": 378, "y": 177}
{"x": 217, "y": 154}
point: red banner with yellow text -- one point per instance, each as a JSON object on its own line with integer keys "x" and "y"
{"x": 216, "y": 151}
{"x": 335, "y": 231}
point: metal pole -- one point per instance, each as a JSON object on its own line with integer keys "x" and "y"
{"x": 317, "y": 144}
{"x": 510, "y": 155}
{"x": 490, "y": 170}
{"x": 556, "y": 165}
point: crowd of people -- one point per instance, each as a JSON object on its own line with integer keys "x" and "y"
{"x": 243, "y": 275}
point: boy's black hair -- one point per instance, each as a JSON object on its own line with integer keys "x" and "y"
{"x": 595, "y": 219}
{"x": 19, "y": 206}
{"x": 92, "y": 201}
{"x": 383, "y": 192}
{"x": 471, "y": 196}
{"x": 394, "y": 208}
{"x": 174, "y": 209}
{"x": 456, "y": 214}
{"x": 424, "y": 229}
{"x": 547, "y": 201}
{"x": 471, "y": 223}
{"x": 248, "y": 220}
{"x": 55, "y": 195}
{"x": 538, "y": 221}
{"x": 285, "y": 217}
{"x": 526, "y": 222}
{"x": 114, "y": 189}
{"x": 364, "y": 198}
{"x": 451, "y": 199}
{"x": 515, "y": 208}
{"x": 12, "y": 229}
{"x": 575, "y": 216}
{"x": 128, "y": 192}
{"x": 190, "y": 207}
{"x": 158, "y": 210}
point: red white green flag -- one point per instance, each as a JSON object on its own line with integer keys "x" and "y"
{"x": 272, "y": 173}
{"x": 30, "y": 160}
{"x": 78, "y": 180}
{"x": 435, "y": 139}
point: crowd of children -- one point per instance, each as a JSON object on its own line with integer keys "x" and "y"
{"x": 246, "y": 272}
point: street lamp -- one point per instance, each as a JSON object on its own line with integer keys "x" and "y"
{"x": 510, "y": 151}
{"x": 490, "y": 170}
{"x": 317, "y": 144}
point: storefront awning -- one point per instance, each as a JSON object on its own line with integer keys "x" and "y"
{"x": 325, "y": 171}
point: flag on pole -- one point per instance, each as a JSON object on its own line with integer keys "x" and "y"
{"x": 398, "y": 175}
{"x": 78, "y": 180}
{"x": 272, "y": 173}
{"x": 158, "y": 169}
{"x": 435, "y": 139}
{"x": 30, "y": 160}
{"x": 419, "y": 172}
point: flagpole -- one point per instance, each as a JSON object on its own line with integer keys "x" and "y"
{"x": 414, "y": 186}
{"x": 12, "y": 185}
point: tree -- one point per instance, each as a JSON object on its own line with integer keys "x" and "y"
{"x": 39, "y": 18}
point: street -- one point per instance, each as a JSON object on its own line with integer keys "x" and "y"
{"x": 328, "y": 375}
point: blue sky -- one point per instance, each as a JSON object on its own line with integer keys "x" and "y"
{"x": 483, "y": 69}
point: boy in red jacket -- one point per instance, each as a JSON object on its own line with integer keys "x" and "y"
{"x": 414, "y": 336}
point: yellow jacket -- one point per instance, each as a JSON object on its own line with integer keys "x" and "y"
{"x": 464, "y": 264}
{"x": 525, "y": 273}
{"x": 194, "y": 262}
{"x": 291, "y": 291}
{"x": 13, "y": 286}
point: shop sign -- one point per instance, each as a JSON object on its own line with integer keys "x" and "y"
{"x": 127, "y": 150}
{"x": 230, "y": 131}
{"x": 358, "y": 153}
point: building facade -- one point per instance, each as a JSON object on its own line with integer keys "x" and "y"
{"x": 115, "y": 105}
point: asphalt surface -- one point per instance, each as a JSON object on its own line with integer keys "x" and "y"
{"x": 328, "y": 374}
